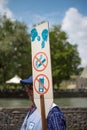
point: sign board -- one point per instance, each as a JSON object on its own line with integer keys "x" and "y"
{"x": 41, "y": 65}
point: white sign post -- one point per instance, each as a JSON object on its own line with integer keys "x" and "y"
{"x": 41, "y": 65}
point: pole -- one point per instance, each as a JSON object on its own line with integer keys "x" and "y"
{"x": 44, "y": 124}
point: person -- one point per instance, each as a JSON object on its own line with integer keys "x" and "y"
{"x": 55, "y": 118}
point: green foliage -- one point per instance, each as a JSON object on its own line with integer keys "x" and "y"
{"x": 15, "y": 52}
{"x": 65, "y": 57}
{"x": 63, "y": 87}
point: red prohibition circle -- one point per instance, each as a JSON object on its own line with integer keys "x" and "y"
{"x": 36, "y": 57}
{"x": 36, "y": 80}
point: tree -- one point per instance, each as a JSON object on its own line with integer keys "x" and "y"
{"x": 15, "y": 52}
{"x": 65, "y": 57}
{"x": 15, "y": 49}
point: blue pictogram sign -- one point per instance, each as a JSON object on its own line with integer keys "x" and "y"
{"x": 42, "y": 39}
{"x": 41, "y": 84}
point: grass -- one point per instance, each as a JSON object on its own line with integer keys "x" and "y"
{"x": 62, "y": 87}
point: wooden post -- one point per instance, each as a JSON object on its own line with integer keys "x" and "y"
{"x": 44, "y": 124}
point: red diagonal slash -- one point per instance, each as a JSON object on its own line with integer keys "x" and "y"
{"x": 40, "y": 61}
{"x": 42, "y": 84}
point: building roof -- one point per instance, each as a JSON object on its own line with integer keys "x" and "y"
{"x": 84, "y": 73}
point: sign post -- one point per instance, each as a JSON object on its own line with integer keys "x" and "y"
{"x": 43, "y": 116}
{"x": 41, "y": 66}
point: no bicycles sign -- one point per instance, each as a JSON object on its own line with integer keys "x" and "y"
{"x": 41, "y": 65}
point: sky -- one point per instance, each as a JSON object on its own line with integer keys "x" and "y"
{"x": 71, "y": 14}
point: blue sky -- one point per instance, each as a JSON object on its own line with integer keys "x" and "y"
{"x": 71, "y": 14}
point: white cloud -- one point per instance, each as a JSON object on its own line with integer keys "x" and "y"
{"x": 76, "y": 27}
{"x": 4, "y": 9}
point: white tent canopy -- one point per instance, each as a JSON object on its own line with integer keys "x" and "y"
{"x": 15, "y": 80}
